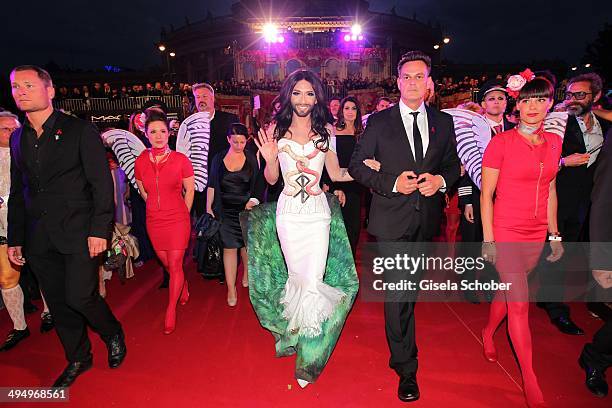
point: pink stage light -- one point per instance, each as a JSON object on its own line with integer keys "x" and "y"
{"x": 347, "y": 38}
{"x": 280, "y": 39}
{"x": 353, "y": 37}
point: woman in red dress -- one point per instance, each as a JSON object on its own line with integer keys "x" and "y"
{"x": 519, "y": 168}
{"x": 165, "y": 180}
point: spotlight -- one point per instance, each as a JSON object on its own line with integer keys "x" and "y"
{"x": 280, "y": 39}
{"x": 587, "y": 65}
{"x": 360, "y": 38}
{"x": 347, "y": 37}
{"x": 446, "y": 40}
{"x": 161, "y": 47}
{"x": 356, "y": 29}
{"x": 437, "y": 46}
{"x": 353, "y": 37}
{"x": 269, "y": 32}
{"x": 574, "y": 68}
{"x": 172, "y": 54}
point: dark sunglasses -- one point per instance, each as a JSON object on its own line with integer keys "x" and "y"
{"x": 577, "y": 95}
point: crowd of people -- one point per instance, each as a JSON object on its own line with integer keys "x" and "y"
{"x": 298, "y": 255}
{"x": 445, "y": 86}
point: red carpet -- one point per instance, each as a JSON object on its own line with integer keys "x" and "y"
{"x": 221, "y": 357}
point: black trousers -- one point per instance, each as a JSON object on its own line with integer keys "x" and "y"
{"x": 552, "y": 275}
{"x": 351, "y": 213}
{"x": 399, "y": 307}
{"x": 598, "y": 354}
{"x": 69, "y": 283}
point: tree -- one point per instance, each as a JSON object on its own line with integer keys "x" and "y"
{"x": 599, "y": 52}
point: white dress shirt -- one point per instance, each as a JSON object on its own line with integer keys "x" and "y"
{"x": 593, "y": 138}
{"x": 422, "y": 124}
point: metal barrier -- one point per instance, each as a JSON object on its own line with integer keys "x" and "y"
{"x": 107, "y": 106}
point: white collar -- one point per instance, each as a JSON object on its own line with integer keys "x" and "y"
{"x": 405, "y": 110}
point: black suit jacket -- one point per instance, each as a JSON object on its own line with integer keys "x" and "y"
{"x": 73, "y": 198}
{"x": 574, "y": 184}
{"x": 219, "y": 127}
{"x": 392, "y": 215}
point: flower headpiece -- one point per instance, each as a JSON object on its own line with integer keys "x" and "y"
{"x": 517, "y": 82}
{"x": 139, "y": 121}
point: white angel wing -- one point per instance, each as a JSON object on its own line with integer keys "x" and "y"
{"x": 473, "y": 135}
{"x": 127, "y": 148}
{"x": 193, "y": 140}
{"x": 556, "y": 122}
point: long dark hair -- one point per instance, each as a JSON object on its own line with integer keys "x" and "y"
{"x": 341, "y": 123}
{"x": 320, "y": 115}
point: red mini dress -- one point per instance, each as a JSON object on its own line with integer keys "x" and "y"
{"x": 525, "y": 173}
{"x": 168, "y": 222}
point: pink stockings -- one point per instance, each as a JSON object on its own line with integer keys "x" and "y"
{"x": 178, "y": 288}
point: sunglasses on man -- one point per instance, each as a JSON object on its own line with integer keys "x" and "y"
{"x": 577, "y": 95}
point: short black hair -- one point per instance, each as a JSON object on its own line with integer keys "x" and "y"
{"x": 42, "y": 73}
{"x": 238, "y": 128}
{"x": 414, "y": 56}
{"x": 155, "y": 115}
{"x": 335, "y": 98}
{"x": 592, "y": 78}
{"x": 382, "y": 98}
{"x": 539, "y": 87}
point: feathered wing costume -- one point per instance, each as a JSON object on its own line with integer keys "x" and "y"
{"x": 474, "y": 134}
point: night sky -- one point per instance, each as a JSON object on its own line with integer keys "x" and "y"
{"x": 91, "y": 34}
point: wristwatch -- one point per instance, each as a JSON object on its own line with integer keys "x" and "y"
{"x": 555, "y": 236}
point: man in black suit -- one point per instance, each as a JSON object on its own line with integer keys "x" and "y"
{"x": 493, "y": 98}
{"x": 582, "y": 141}
{"x": 59, "y": 216}
{"x": 204, "y": 95}
{"x": 416, "y": 148}
{"x": 596, "y": 356}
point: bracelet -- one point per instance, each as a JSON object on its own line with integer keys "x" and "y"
{"x": 555, "y": 237}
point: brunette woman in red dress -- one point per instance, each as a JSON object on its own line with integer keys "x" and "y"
{"x": 165, "y": 180}
{"x": 519, "y": 168}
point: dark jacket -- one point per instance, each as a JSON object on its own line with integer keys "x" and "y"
{"x": 574, "y": 184}
{"x": 392, "y": 215}
{"x": 72, "y": 200}
{"x": 256, "y": 189}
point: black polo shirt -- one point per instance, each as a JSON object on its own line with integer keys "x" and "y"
{"x": 35, "y": 149}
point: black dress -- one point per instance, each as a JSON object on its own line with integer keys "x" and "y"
{"x": 235, "y": 193}
{"x": 351, "y": 212}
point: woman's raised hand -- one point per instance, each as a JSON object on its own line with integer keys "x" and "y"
{"x": 267, "y": 144}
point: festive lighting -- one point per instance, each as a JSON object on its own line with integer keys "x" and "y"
{"x": 270, "y": 32}
{"x": 356, "y": 29}
{"x": 574, "y": 68}
{"x": 347, "y": 37}
{"x": 437, "y": 46}
{"x": 161, "y": 47}
{"x": 172, "y": 54}
{"x": 446, "y": 40}
{"x": 587, "y": 65}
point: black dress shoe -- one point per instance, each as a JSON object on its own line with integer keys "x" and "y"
{"x": 116, "y": 349}
{"x": 408, "y": 389}
{"x": 565, "y": 325}
{"x": 46, "y": 323}
{"x": 72, "y": 371}
{"x": 595, "y": 379}
{"x": 13, "y": 338}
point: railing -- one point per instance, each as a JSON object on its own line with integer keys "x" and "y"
{"x": 120, "y": 105}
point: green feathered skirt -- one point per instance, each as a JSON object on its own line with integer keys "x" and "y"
{"x": 267, "y": 279}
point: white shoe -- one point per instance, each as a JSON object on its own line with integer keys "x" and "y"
{"x": 303, "y": 383}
